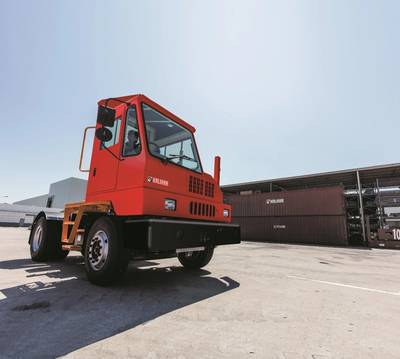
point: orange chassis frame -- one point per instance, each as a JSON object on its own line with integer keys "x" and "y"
{"x": 73, "y": 214}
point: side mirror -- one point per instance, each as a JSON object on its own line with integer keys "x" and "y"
{"x": 103, "y": 134}
{"x": 106, "y": 116}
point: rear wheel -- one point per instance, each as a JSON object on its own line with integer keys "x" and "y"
{"x": 45, "y": 241}
{"x": 197, "y": 259}
{"x": 105, "y": 256}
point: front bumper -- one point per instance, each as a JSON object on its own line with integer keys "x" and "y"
{"x": 166, "y": 235}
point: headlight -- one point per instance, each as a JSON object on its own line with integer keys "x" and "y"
{"x": 170, "y": 204}
{"x": 226, "y": 212}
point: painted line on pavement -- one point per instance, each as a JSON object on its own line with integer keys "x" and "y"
{"x": 346, "y": 285}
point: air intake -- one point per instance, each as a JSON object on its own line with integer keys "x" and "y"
{"x": 199, "y": 186}
{"x": 202, "y": 209}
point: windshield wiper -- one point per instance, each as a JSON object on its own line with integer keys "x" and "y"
{"x": 184, "y": 157}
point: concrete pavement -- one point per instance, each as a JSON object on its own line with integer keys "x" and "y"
{"x": 253, "y": 300}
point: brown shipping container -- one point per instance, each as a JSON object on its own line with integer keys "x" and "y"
{"x": 308, "y": 202}
{"x": 328, "y": 230}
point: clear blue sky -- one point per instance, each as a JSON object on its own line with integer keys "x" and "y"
{"x": 277, "y": 88}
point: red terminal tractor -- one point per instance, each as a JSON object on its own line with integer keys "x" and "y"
{"x": 147, "y": 196}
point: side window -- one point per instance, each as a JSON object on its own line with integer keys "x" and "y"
{"x": 132, "y": 145}
{"x": 115, "y": 134}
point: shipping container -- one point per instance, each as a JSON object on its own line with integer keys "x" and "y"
{"x": 327, "y": 230}
{"x": 315, "y": 215}
{"x": 308, "y": 202}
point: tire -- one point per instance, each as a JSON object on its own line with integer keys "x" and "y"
{"x": 196, "y": 260}
{"x": 106, "y": 259}
{"x": 45, "y": 241}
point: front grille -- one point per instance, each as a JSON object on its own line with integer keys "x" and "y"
{"x": 209, "y": 190}
{"x": 202, "y": 209}
{"x": 199, "y": 186}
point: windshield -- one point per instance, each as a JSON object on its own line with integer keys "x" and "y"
{"x": 170, "y": 141}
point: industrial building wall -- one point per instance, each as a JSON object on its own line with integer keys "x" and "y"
{"x": 67, "y": 191}
{"x": 23, "y": 212}
{"x": 316, "y": 215}
{"x": 15, "y": 219}
{"x": 39, "y": 201}
{"x": 22, "y": 215}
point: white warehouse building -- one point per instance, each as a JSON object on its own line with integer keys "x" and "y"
{"x": 22, "y": 213}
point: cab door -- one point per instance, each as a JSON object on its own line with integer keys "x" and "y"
{"x": 105, "y": 160}
{"x": 131, "y": 168}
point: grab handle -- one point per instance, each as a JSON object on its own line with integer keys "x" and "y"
{"x": 83, "y": 148}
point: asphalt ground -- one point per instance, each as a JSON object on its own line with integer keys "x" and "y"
{"x": 254, "y": 300}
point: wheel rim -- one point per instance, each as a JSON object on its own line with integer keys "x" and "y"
{"x": 37, "y": 238}
{"x": 98, "y": 250}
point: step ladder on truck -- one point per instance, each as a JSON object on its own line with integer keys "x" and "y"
{"x": 147, "y": 196}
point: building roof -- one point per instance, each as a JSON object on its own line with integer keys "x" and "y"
{"x": 71, "y": 179}
{"x": 388, "y": 175}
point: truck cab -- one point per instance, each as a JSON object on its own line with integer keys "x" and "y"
{"x": 151, "y": 165}
{"x": 147, "y": 196}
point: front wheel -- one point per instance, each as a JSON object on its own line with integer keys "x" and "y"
{"x": 105, "y": 256}
{"x": 197, "y": 259}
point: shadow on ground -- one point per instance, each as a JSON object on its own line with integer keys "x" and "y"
{"x": 66, "y": 312}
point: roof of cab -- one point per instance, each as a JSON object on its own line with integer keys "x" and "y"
{"x": 131, "y": 99}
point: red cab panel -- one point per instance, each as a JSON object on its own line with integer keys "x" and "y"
{"x": 151, "y": 166}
